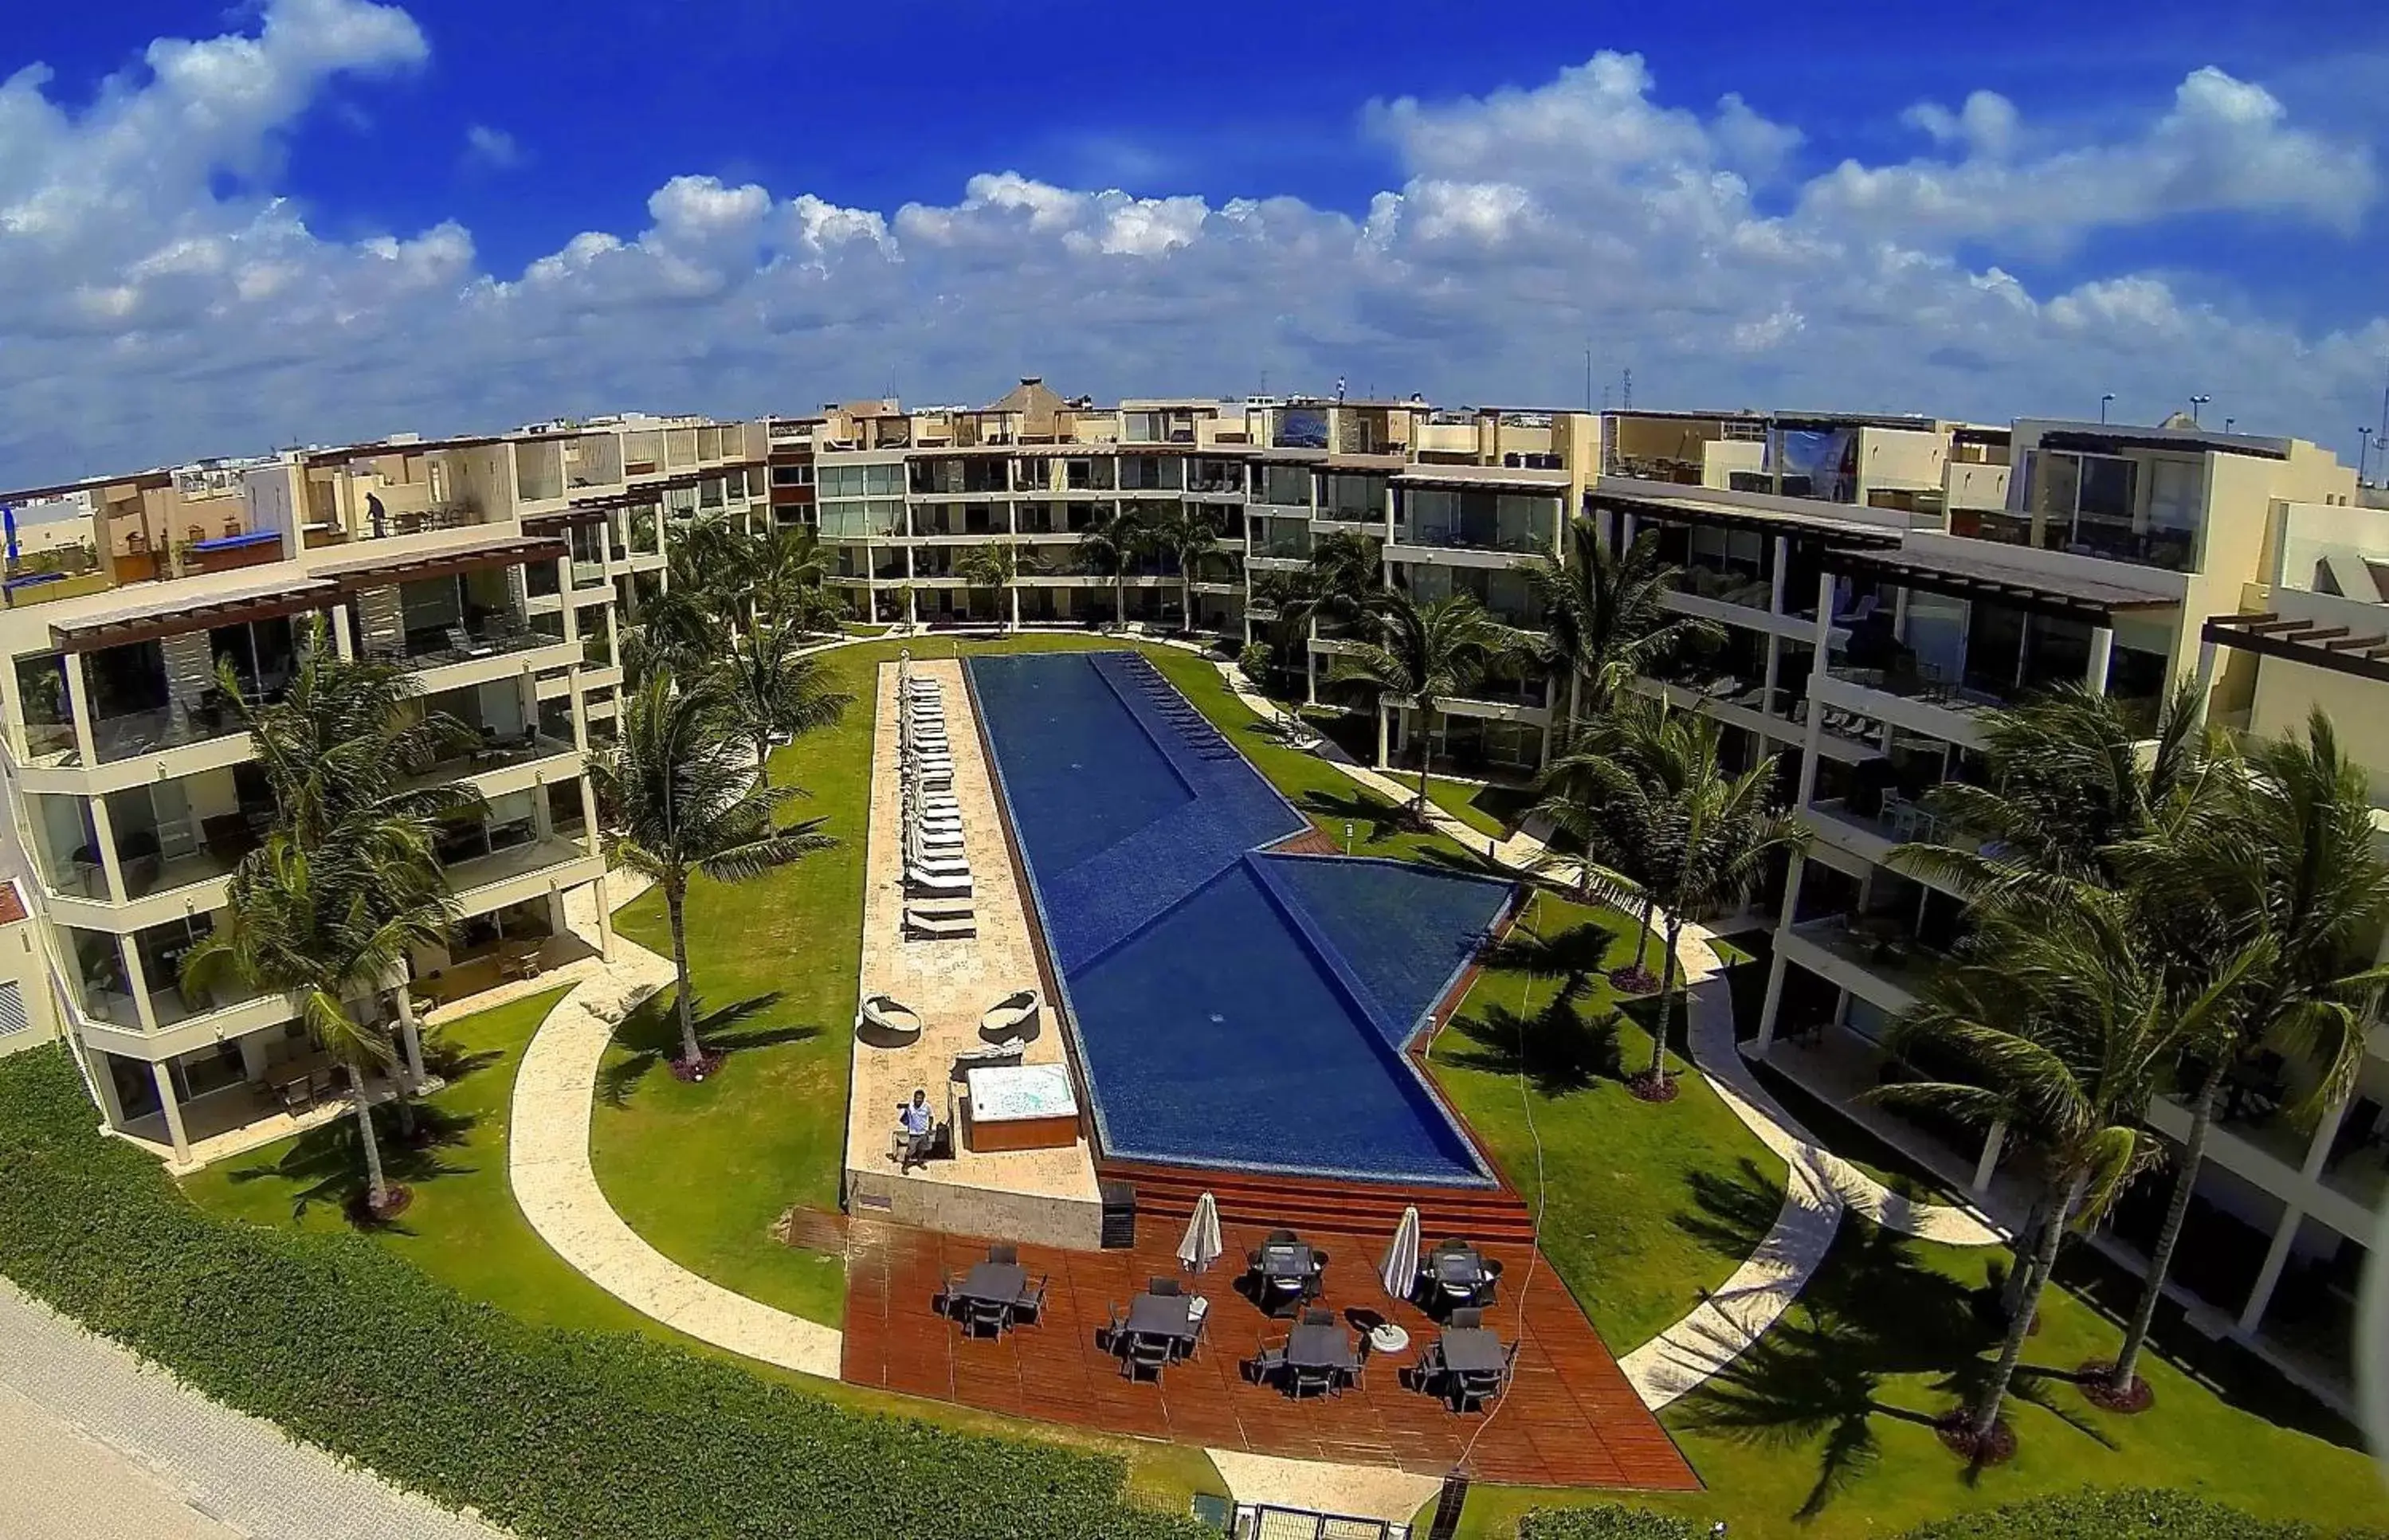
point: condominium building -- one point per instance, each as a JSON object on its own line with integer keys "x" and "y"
{"x": 496, "y": 569}
{"x": 1868, "y": 629}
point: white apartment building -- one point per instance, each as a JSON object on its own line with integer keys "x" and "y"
{"x": 496, "y": 569}
{"x": 1867, "y": 634}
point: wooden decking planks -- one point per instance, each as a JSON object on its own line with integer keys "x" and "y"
{"x": 1570, "y": 1419}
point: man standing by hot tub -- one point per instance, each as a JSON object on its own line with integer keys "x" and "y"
{"x": 920, "y": 1126}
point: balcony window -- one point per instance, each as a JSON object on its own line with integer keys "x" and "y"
{"x": 1476, "y": 520}
{"x": 1287, "y": 486}
{"x": 2129, "y": 510}
{"x": 859, "y": 481}
{"x": 1090, "y": 476}
{"x": 1151, "y": 473}
{"x": 41, "y": 691}
{"x": 470, "y": 615}
{"x": 1358, "y": 498}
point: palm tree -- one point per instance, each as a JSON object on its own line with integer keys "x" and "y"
{"x": 771, "y": 688}
{"x": 2285, "y": 871}
{"x": 783, "y": 581}
{"x": 1690, "y": 837}
{"x": 346, "y": 737}
{"x": 1572, "y": 797}
{"x": 1109, "y": 545}
{"x": 679, "y": 800}
{"x": 1605, "y": 618}
{"x": 1425, "y": 654}
{"x": 1187, "y": 539}
{"x": 993, "y": 566}
{"x": 332, "y": 926}
{"x": 2058, "y": 1025}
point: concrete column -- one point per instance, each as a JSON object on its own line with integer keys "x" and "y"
{"x": 2102, "y": 649}
{"x": 1782, "y": 573}
{"x": 103, "y": 835}
{"x": 564, "y": 590}
{"x": 595, "y": 838}
{"x": 79, "y": 706}
{"x": 252, "y": 1056}
{"x": 604, "y": 917}
{"x": 137, "y": 978}
{"x": 1384, "y": 727}
{"x": 2268, "y": 1277}
{"x": 344, "y": 639}
{"x": 1310, "y": 669}
{"x": 1775, "y": 968}
{"x": 2205, "y": 676}
{"x": 12, "y": 711}
{"x": 174, "y": 1111}
{"x": 2325, "y": 1135}
{"x": 1014, "y": 596}
{"x": 1821, "y": 639}
{"x": 1993, "y": 1146}
{"x": 1774, "y": 667}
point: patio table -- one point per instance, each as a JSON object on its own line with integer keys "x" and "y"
{"x": 1287, "y": 1261}
{"x": 993, "y": 1282}
{"x": 1472, "y": 1350}
{"x": 1170, "y": 1315}
{"x": 1461, "y": 1269}
{"x": 1320, "y": 1347}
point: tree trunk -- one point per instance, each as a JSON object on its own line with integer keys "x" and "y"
{"x": 1185, "y": 599}
{"x": 2027, "y": 1240}
{"x": 401, "y": 1091}
{"x": 691, "y": 1050}
{"x": 764, "y": 759}
{"x": 1119, "y": 600}
{"x": 1642, "y": 934}
{"x": 2193, "y": 1149}
{"x": 377, "y": 1185}
{"x": 1667, "y": 987}
{"x": 2044, "y": 1260}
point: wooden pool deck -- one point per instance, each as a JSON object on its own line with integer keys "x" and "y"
{"x": 1569, "y": 1418}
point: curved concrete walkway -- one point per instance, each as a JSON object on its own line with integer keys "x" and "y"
{"x": 1819, "y": 1184}
{"x": 547, "y": 1161}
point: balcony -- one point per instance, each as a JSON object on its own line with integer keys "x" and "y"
{"x": 1872, "y": 956}
{"x": 589, "y": 574}
{"x": 497, "y": 752}
{"x": 489, "y": 879}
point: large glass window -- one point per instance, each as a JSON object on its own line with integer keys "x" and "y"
{"x": 1288, "y": 486}
{"x": 1351, "y": 497}
{"x": 1477, "y": 520}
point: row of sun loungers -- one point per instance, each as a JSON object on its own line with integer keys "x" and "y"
{"x": 1180, "y": 713}
{"x": 936, "y": 867}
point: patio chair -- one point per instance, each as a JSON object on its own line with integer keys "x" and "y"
{"x": 890, "y": 1017}
{"x": 1468, "y": 1317}
{"x": 1161, "y": 1288}
{"x": 1004, "y": 1254}
{"x": 1267, "y": 1363}
{"x": 992, "y": 1055}
{"x": 1311, "y": 1379}
{"x": 1031, "y": 1305}
{"x": 942, "y": 1301}
{"x": 1316, "y": 1316}
{"x": 986, "y": 1317}
{"x": 1145, "y": 1357}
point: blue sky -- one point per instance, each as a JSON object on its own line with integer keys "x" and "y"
{"x": 333, "y": 218}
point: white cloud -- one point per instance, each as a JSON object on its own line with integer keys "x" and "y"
{"x": 2226, "y": 146}
{"x": 491, "y": 149}
{"x": 147, "y": 315}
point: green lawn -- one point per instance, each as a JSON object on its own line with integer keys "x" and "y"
{"x": 463, "y": 1227}
{"x": 1627, "y": 1188}
{"x": 1490, "y": 809}
{"x": 1822, "y": 1432}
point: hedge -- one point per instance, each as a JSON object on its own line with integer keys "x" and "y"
{"x": 574, "y": 1435}
{"x": 2092, "y": 1513}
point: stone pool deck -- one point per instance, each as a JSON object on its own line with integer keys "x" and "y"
{"x": 1037, "y": 1195}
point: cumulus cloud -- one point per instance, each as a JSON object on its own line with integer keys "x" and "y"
{"x": 491, "y": 149}
{"x": 153, "y": 308}
{"x": 2227, "y": 145}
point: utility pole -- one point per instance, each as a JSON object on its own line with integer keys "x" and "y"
{"x": 1587, "y": 379}
{"x": 1626, "y": 392}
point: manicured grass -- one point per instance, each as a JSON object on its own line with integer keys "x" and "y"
{"x": 1823, "y": 1431}
{"x": 1629, "y": 1191}
{"x": 463, "y": 1227}
{"x": 1490, "y": 809}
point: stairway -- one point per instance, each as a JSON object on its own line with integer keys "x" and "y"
{"x": 1305, "y": 1203}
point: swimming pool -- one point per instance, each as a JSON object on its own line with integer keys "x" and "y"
{"x": 1231, "y": 1006}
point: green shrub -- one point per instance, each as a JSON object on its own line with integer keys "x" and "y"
{"x": 564, "y": 1435}
{"x": 1608, "y": 1521}
{"x": 2127, "y": 1513}
{"x": 2090, "y": 1514}
{"x": 1254, "y": 664}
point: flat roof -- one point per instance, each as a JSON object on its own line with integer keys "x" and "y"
{"x": 2100, "y": 436}
{"x": 1967, "y": 574}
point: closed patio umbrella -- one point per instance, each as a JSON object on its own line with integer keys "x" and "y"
{"x": 1400, "y": 1271}
{"x": 1201, "y": 1246}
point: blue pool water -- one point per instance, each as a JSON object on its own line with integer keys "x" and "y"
{"x": 1231, "y": 1006}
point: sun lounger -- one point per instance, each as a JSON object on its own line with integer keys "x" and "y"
{"x": 1013, "y": 1016}
{"x": 888, "y": 1017}
{"x": 926, "y": 927}
{"x": 947, "y": 907}
{"x": 932, "y": 881}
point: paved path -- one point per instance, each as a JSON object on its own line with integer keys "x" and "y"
{"x": 1819, "y": 1184}
{"x": 98, "y": 1444}
{"x": 547, "y": 1161}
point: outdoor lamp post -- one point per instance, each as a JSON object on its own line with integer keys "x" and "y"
{"x": 2102, "y": 406}
{"x": 2195, "y": 403}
